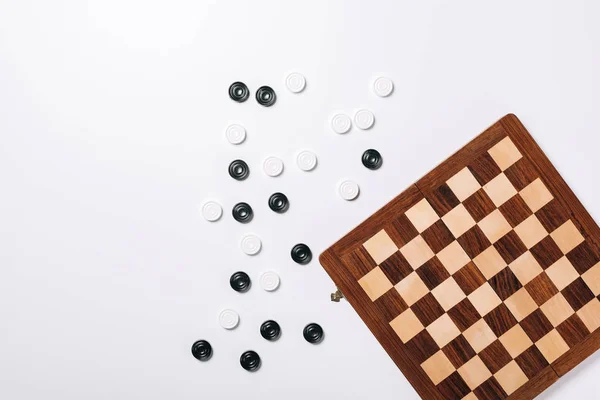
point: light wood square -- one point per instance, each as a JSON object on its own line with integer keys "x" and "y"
{"x": 412, "y": 288}
{"x": 470, "y": 396}
{"x": 484, "y": 299}
{"x": 500, "y": 190}
{"x": 489, "y": 262}
{"x": 531, "y": 231}
{"x": 515, "y": 341}
{"x": 463, "y": 184}
{"x": 474, "y": 372}
{"x": 521, "y": 304}
{"x": 505, "y": 153}
{"x": 375, "y": 283}
{"x": 567, "y": 237}
{"x": 552, "y": 346}
{"x": 438, "y": 367}
{"x": 479, "y": 335}
{"x": 443, "y": 330}
{"x": 422, "y": 215}
{"x": 590, "y": 314}
{"x": 406, "y": 325}
{"x": 494, "y": 226}
{"x": 511, "y": 377}
{"x": 591, "y": 277}
{"x": 448, "y": 293}
{"x": 536, "y": 195}
{"x": 380, "y": 246}
{"x": 417, "y": 252}
{"x": 458, "y": 220}
{"x": 453, "y": 257}
{"x": 557, "y": 309}
{"x": 562, "y": 273}
{"x": 525, "y": 268}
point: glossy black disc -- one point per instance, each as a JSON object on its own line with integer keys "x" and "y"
{"x": 270, "y": 330}
{"x": 265, "y": 96}
{"x": 242, "y": 212}
{"x": 202, "y": 350}
{"x": 279, "y": 202}
{"x": 238, "y": 170}
{"x": 238, "y": 91}
{"x": 372, "y": 159}
{"x": 240, "y": 281}
{"x": 313, "y": 333}
{"x": 301, "y": 254}
{"x": 250, "y": 361}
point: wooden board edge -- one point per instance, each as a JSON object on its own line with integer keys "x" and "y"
{"x": 382, "y": 332}
{"x": 542, "y": 381}
{"x": 577, "y": 354}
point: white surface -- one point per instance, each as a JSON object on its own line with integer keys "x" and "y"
{"x": 112, "y": 116}
{"x": 269, "y": 281}
{"x": 229, "y": 319}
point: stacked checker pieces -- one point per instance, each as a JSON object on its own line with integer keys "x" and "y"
{"x": 485, "y": 284}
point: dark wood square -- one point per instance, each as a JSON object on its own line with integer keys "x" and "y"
{"x": 432, "y": 273}
{"x": 531, "y": 361}
{"x": 437, "y": 236}
{"x": 546, "y": 252}
{"x": 442, "y": 200}
{"x": 536, "y": 325}
{"x": 490, "y": 390}
{"x": 515, "y": 210}
{"x": 401, "y": 231}
{"x": 359, "y": 262}
{"x": 521, "y": 173}
{"x": 469, "y": 278}
{"x": 454, "y": 387}
{"x": 552, "y": 215}
{"x": 573, "y": 330}
{"x": 510, "y": 247}
{"x": 500, "y": 320}
{"x": 459, "y": 351}
{"x": 495, "y": 356}
{"x": 427, "y": 309}
{"x": 396, "y": 268}
{"x": 484, "y": 169}
{"x": 474, "y": 241}
{"x": 479, "y": 205}
{"x": 583, "y": 257}
{"x": 505, "y": 283}
{"x": 422, "y": 346}
{"x": 541, "y": 288}
{"x": 464, "y": 315}
{"x": 577, "y": 294}
{"x": 390, "y": 305}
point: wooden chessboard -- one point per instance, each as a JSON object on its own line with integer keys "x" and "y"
{"x": 481, "y": 280}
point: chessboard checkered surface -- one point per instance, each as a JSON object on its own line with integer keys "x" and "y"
{"x": 482, "y": 280}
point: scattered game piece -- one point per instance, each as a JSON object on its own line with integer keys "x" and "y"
{"x": 364, "y": 119}
{"x": 265, "y": 96}
{"x": 383, "y": 87}
{"x": 229, "y": 319}
{"x": 235, "y": 134}
{"x": 212, "y": 211}
{"x": 251, "y": 244}
{"x": 306, "y": 160}
{"x": 242, "y": 212}
{"x": 341, "y": 123}
{"x": 279, "y": 203}
{"x": 485, "y": 271}
{"x": 295, "y": 82}
{"x": 250, "y": 361}
{"x": 202, "y": 350}
{"x": 240, "y": 282}
{"x": 270, "y": 330}
{"x": 349, "y": 190}
{"x": 269, "y": 281}
{"x": 372, "y": 159}
{"x": 238, "y": 170}
{"x": 301, "y": 254}
{"x": 238, "y": 91}
{"x": 313, "y": 333}
{"x": 273, "y": 166}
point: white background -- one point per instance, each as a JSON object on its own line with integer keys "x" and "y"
{"x": 111, "y": 125}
